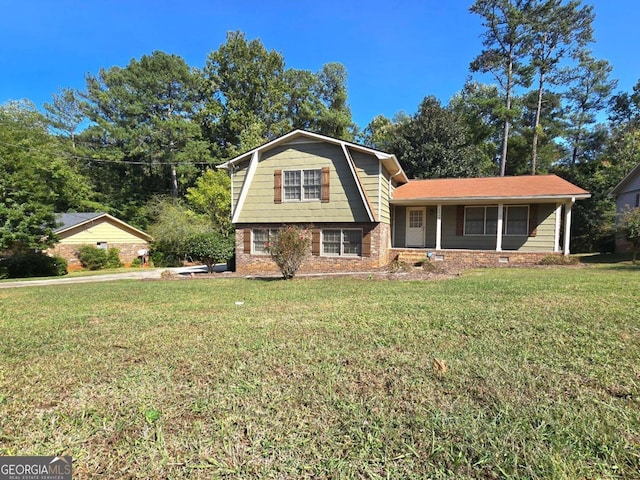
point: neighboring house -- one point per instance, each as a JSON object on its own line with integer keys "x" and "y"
{"x": 362, "y": 212}
{"x": 627, "y": 195}
{"x": 100, "y": 230}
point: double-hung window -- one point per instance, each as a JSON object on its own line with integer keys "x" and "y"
{"x": 516, "y": 220}
{"x": 302, "y": 185}
{"x": 484, "y": 220}
{"x": 480, "y": 220}
{"x": 261, "y": 239}
{"x": 342, "y": 242}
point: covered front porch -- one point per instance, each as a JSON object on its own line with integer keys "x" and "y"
{"x": 530, "y": 228}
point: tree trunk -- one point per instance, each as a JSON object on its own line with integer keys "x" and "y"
{"x": 534, "y": 146}
{"x": 174, "y": 182}
{"x": 505, "y": 132}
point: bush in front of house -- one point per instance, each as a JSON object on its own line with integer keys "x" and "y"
{"x": 289, "y": 249}
{"x": 32, "y": 264}
{"x": 209, "y": 248}
{"x": 93, "y": 258}
{"x": 113, "y": 258}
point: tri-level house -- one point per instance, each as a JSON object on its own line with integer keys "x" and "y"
{"x": 361, "y": 211}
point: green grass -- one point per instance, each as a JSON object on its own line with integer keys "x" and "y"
{"x": 317, "y": 378}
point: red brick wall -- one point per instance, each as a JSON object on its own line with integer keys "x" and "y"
{"x": 471, "y": 258}
{"x": 128, "y": 252}
{"x": 249, "y": 264}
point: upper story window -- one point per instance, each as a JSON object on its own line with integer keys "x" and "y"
{"x": 302, "y": 185}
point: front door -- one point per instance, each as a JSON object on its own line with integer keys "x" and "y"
{"x": 416, "y": 224}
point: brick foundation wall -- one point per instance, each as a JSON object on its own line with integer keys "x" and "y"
{"x": 249, "y": 264}
{"x": 471, "y": 258}
{"x": 128, "y": 252}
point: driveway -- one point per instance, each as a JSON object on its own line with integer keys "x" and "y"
{"x": 139, "y": 274}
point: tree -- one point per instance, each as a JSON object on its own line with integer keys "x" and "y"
{"x": 505, "y": 43}
{"x": 245, "y": 89}
{"x": 143, "y": 115}
{"x": 334, "y": 119}
{"x": 587, "y": 95}
{"x": 211, "y": 196}
{"x": 35, "y": 179}
{"x": 209, "y": 248}
{"x": 172, "y": 223}
{"x": 435, "y": 143}
{"x": 65, "y": 113}
{"x": 629, "y": 226}
{"x": 558, "y": 31}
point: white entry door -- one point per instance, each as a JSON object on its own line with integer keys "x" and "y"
{"x": 416, "y": 224}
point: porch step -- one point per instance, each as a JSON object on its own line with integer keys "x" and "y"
{"x": 412, "y": 257}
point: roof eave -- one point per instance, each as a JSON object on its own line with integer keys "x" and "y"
{"x": 458, "y": 200}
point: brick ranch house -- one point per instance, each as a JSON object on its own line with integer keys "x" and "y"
{"x": 100, "y": 230}
{"x": 362, "y": 212}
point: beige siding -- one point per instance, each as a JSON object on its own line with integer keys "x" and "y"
{"x": 345, "y": 203}
{"x": 102, "y": 231}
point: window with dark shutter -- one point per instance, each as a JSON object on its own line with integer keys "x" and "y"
{"x": 326, "y": 174}
{"x": 315, "y": 241}
{"x": 366, "y": 244}
{"x": 277, "y": 186}
{"x": 533, "y": 220}
{"x": 460, "y": 220}
{"x": 247, "y": 240}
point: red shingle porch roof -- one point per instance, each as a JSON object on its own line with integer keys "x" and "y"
{"x": 449, "y": 190}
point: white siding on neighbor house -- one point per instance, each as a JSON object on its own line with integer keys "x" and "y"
{"x": 629, "y": 194}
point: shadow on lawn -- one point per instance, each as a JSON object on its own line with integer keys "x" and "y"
{"x": 618, "y": 261}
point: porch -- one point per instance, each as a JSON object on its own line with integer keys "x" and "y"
{"x": 468, "y": 258}
{"x": 497, "y": 232}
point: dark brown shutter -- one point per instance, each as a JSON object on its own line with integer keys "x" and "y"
{"x": 247, "y": 240}
{"x": 366, "y": 243}
{"x": 460, "y": 220}
{"x": 326, "y": 173}
{"x": 533, "y": 220}
{"x": 277, "y": 186}
{"x": 315, "y": 241}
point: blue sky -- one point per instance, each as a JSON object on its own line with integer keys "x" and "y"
{"x": 396, "y": 53}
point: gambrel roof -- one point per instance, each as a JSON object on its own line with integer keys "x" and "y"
{"x": 387, "y": 160}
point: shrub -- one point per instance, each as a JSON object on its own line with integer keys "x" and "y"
{"x": 289, "y": 249}
{"x": 136, "y": 263}
{"x": 163, "y": 259}
{"x": 558, "y": 260}
{"x": 32, "y": 264}
{"x": 113, "y": 258}
{"x": 629, "y": 225}
{"x": 209, "y": 248}
{"x": 92, "y": 258}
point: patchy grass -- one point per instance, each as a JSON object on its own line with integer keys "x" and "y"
{"x": 505, "y": 373}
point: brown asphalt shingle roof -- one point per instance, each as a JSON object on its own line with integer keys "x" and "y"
{"x": 526, "y": 186}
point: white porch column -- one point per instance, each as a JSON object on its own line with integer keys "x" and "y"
{"x": 499, "y": 229}
{"x": 556, "y": 243}
{"x": 567, "y": 225}
{"x": 439, "y": 227}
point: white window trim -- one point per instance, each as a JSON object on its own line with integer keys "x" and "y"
{"x": 341, "y": 254}
{"x": 301, "y": 199}
{"x": 269, "y": 237}
{"x": 505, "y": 222}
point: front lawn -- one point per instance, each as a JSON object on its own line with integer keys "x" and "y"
{"x": 521, "y": 373}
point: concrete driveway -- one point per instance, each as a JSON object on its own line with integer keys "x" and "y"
{"x": 139, "y": 274}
